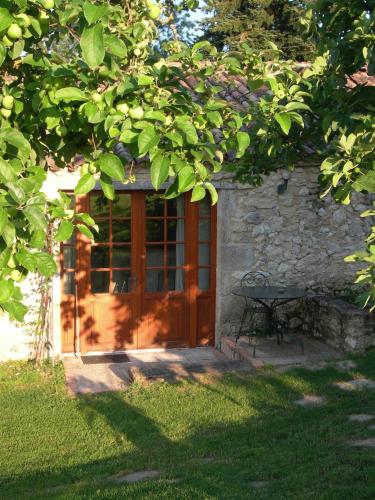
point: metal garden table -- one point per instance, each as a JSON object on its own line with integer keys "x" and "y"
{"x": 270, "y": 297}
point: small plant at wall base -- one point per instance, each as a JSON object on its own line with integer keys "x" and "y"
{"x": 78, "y": 78}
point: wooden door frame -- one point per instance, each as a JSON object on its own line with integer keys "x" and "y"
{"x": 192, "y": 291}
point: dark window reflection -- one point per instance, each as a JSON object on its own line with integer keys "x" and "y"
{"x": 99, "y": 205}
{"x": 121, "y": 206}
{"x": 175, "y": 279}
{"x": 69, "y": 257}
{"x": 204, "y": 279}
{"x": 155, "y": 280}
{"x": 176, "y": 230}
{"x": 121, "y": 281}
{"x": 155, "y": 256}
{"x": 204, "y": 254}
{"x": 99, "y": 257}
{"x": 155, "y": 230}
{"x": 204, "y": 230}
{"x": 69, "y": 283}
{"x": 99, "y": 281}
{"x": 121, "y": 231}
{"x": 176, "y": 255}
{"x": 205, "y": 207}
{"x": 121, "y": 257}
{"x": 103, "y": 235}
{"x": 154, "y": 206}
{"x": 176, "y": 207}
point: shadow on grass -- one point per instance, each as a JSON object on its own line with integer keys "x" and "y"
{"x": 260, "y": 436}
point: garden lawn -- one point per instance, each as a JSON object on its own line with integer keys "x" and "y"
{"x": 240, "y": 436}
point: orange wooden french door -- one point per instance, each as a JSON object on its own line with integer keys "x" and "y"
{"x": 147, "y": 281}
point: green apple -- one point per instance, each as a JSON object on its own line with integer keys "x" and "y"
{"x": 14, "y": 31}
{"x": 122, "y": 107}
{"x": 48, "y": 4}
{"x": 8, "y": 102}
{"x": 154, "y": 11}
{"x": 16, "y": 275}
{"x": 43, "y": 17}
{"x": 61, "y": 130}
{"x": 23, "y": 19}
{"x": 137, "y": 52}
{"x": 7, "y": 42}
{"x": 96, "y": 97}
{"x": 136, "y": 113}
{"x": 6, "y": 112}
{"x": 92, "y": 168}
{"x": 85, "y": 169}
{"x": 11, "y": 262}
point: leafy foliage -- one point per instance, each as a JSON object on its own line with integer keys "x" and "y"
{"x": 80, "y": 79}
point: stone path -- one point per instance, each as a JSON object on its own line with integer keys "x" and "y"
{"x": 346, "y": 365}
{"x": 135, "y": 477}
{"x": 172, "y": 365}
{"x": 356, "y": 384}
{"x": 360, "y": 418}
{"x": 310, "y": 400}
{"x": 366, "y": 443}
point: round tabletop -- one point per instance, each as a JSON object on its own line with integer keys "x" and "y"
{"x": 269, "y": 292}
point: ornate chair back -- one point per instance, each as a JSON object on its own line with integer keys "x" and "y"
{"x": 252, "y": 278}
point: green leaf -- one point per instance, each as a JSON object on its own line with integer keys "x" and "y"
{"x": 69, "y": 94}
{"x": 36, "y": 217}
{"x": 159, "y": 170}
{"x": 7, "y": 174}
{"x": 94, "y": 13}
{"x": 3, "y": 53}
{"x": 17, "y": 48}
{"x": 111, "y": 165}
{"x": 85, "y": 231}
{"x": 92, "y": 45}
{"x": 147, "y": 140}
{"x": 27, "y": 260}
{"x": 38, "y": 239}
{"x": 107, "y": 186}
{"x": 115, "y": 46}
{"x": 243, "y": 141}
{"x": 198, "y": 193}
{"x": 45, "y": 264}
{"x": 186, "y": 179}
{"x": 283, "y": 119}
{"x": 3, "y": 219}
{"x": 5, "y": 290}
{"x": 189, "y": 130}
{"x": 215, "y": 118}
{"x": 16, "y": 310}
{"x": 65, "y": 231}
{"x": 17, "y": 140}
{"x": 294, "y": 106}
{"x": 16, "y": 192}
{"x": 214, "y": 196}
{"x": 365, "y": 182}
{"x": 5, "y": 19}
{"x": 85, "y": 184}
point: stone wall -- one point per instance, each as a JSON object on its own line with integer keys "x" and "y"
{"x": 342, "y": 325}
{"x": 296, "y": 238}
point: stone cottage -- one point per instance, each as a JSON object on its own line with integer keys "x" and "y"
{"x": 161, "y": 272}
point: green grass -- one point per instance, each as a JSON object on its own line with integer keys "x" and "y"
{"x": 210, "y": 438}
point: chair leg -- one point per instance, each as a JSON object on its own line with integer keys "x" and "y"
{"x": 243, "y": 318}
{"x": 254, "y": 350}
{"x": 302, "y": 348}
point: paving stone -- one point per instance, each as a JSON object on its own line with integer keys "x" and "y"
{"x": 310, "y": 400}
{"x": 365, "y": 443}
{"x": 259, "y": 484}
{"x": 135, "y": 477}
{"x": 346, "y": 365}
{"x": 356, "y": 384}
{"x": 360, "y": 418}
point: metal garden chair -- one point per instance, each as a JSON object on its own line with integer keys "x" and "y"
{"x": 252, "y": 310}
